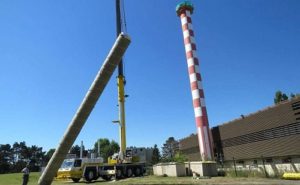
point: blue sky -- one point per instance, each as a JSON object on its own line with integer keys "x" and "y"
{"x": 50, "y": 52}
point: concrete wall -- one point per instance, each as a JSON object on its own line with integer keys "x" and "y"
{"x": 169, "y": 169}
{"x": 185, "y": 169}
{"x": 189, "y": 146}
{"x": 203, "y": 168}
{"x": 274, "y": 168}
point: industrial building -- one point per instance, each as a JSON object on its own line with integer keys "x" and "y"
{"x": 268, "y": 139}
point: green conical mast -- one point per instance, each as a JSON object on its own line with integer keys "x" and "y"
{"x": 186, "y": 5}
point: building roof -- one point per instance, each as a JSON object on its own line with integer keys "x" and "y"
{"x": 262, "y": 110}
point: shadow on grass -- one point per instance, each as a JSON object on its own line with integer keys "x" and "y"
{"x": 84, "y": 182}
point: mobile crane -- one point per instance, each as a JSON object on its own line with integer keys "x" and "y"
{"x": 128, "y": 162}
{"x": 92, "y": 169}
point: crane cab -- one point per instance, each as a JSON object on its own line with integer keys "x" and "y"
{"x": 75, "y": 168}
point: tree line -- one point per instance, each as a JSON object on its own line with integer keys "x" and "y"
{"x": 13, "y": 158}
{"x": 280, "y": 96}
{"x": 170, "y": 152}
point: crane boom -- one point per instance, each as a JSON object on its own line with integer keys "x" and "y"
{"x": 121, "y": 91}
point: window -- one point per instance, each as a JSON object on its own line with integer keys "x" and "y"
{"x": 240, "y": 162}
{"x": 269, "y": 160}
{"x": 287, "y": 160}
{"x": 77, "y": 163}
{"x": 296, "y": 105}
{"x": 296, "y": 108}
{"x": 128, "y": 153}
{"x": 255, "y": 162}
{"x": 67, "y": 163}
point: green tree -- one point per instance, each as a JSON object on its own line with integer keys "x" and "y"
{"x": 21, "y": 157}
{"x": 49, "y": 155}
{"x": 294, "y": 95}
{"x": 15, "y": 158}
{"x": 76, "y": 150}
{"x": 180, "y": 157}
{"x": 6, "y": 157}
{"x": 279, "y": 97}
{"x": 21, "y": 152}
{"x": 169, "y": 149}
{"x": 284, "y": 97}
{"x": 155, "y": 155}
{"x": 107, "y": 148}
{"x": 36, "y": 157}
{"x": 114, "y": 147}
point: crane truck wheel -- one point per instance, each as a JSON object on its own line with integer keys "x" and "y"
{"x": 107, "y": 177}
{"x": 89, "y": 175}
{"x": 129, "y": 172}
{"x": 138, "y": 172}
{"x": 118, "y": 174}
{"x": 75, "y": 180}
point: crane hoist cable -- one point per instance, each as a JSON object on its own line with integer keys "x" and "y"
{"x": 123, "y": 29}
{"x": 123, "y": 18}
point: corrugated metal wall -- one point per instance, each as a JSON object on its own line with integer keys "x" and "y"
{"x": 272, "y": 132}
{"x": 190, "y": 148}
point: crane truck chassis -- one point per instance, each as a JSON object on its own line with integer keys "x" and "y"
{"x": 83, "y": 168}
{"x": 92, "y": 169}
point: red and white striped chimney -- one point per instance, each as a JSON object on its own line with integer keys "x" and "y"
{"x": 184, "y": 11}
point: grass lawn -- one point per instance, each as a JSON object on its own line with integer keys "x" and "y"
{"x": 16, "y": 179}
